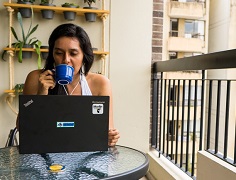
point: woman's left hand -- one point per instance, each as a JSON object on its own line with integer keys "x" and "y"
{"x": 113, "y": 136}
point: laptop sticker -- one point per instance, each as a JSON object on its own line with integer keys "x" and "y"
{"x": 97, "y": 109}
{"x": 65, "y": 124}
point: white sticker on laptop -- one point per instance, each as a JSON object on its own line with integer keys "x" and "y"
{"x": 97, "y": 109}
{"x": 65, "y": 124}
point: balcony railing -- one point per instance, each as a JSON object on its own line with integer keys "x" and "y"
{"x": 186, "y": 34}
{"x": 200, "y": 1}
{"x": 202, "y": 116}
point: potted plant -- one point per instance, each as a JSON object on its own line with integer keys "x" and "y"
{"x": 47, "y": 13}
{"x": 18, "y": 89}
{"x": 69, "y": 15}
{"x": 25, "y": 12}
{"x": 90, "y": 17}
{"x": 43, "y": 52}
{"x": 26, "y": 41}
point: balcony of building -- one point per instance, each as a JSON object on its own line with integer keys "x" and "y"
{"x": 180, "y": 41}
{"x": 193, "y": 131}
{"x": 188, "y": 9}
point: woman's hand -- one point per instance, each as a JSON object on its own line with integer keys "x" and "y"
{"x": 46, "y": 81}
{"x": 113, "y": 136}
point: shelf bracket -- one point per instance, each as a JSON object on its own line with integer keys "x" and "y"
{"x": 9, "y": 100}
{"x": 104, "y": 16}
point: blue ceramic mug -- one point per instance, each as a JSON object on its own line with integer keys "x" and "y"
{"x": 64, "y": 74}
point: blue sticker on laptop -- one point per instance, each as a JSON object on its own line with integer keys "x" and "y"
{"x": 65, "y": 124}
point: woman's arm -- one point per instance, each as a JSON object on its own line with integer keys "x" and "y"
{"x": 38, "y": 82}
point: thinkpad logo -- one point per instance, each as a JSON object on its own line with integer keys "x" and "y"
{"x": 28, "y": 103}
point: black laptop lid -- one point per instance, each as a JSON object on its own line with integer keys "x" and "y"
{"x": 59, "y": 123}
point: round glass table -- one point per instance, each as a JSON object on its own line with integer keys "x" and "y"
{"x": 118, "y": 162}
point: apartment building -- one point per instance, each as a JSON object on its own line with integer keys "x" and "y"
{"x": 180, "y": 29}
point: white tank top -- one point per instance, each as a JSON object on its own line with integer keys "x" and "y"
{"x": 84, "y": 86}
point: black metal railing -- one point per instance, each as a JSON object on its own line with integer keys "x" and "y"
{"x": 198, "y": 113}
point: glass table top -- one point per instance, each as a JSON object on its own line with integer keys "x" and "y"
{"x": 117, "y": 163}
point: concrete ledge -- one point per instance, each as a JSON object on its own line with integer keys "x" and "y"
{"x": 162, "y": 169}
{"x": 211, "y": 167}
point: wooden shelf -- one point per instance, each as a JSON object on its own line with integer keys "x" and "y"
{"x": 24, "y": 49}
{"x": 10, "y": 91}
{"x": 46, "y": 50}
{"x": 57, "y": 9}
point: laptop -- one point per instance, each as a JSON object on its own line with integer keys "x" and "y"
{"x": 59, "y": 123}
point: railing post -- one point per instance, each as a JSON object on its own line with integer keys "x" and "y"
{"x": 154, "y": 110}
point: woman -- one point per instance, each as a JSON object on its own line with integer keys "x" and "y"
{"x": 69, "y": 44}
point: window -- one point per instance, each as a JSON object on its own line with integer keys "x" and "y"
{"x": 173, "y": 55}
{"x": 194, "y": 29}
{"x": 171, "y": 130}
{"x": 174, "y": 28}
{"x": 172, "y": 96}
{"x": 192, "y": 95}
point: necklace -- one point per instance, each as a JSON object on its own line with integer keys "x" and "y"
{"x": 72, "y": 90}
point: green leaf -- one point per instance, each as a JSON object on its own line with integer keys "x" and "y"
{"x": 31, "y": 22}
{"x": 32, "y": 31}
{"x": 34, "y": 42}
{"x": 19, "y": 17}
{"x": 37, "y": 46}
{"x": 18, "y": 89}
{"x": 20, "y": 52}
{"x": 14, "y": 33}
{"x": 3, "y": 53}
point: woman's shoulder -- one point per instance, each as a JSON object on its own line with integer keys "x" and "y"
{"x": 99, "y": 84}
{"x": 31, "y": 82}
{"x": 97, "y": 78}
{"x": 35, "y": 72}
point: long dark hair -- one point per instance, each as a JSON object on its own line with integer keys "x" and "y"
{"x": 69, "y": 30}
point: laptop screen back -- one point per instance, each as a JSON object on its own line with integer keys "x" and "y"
{"x": 58, "y": 123}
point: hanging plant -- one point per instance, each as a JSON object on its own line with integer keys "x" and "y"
{"x": 89, "y": 2}
{"x": 26, "y": 41}
{"x": 25, "y": 12}
{"x": 69, "y": 15}
{"x": 18, "y": 89}
{"x": 47, "y": 13}
{"x": 90, "y": 17}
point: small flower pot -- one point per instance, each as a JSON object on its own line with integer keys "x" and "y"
{"x": 90, "y": 17}
{"x": 70, "y": 15}
{"x": 46, "y": 13}
{"x": 25, "y": 12}
{"x": 44, "y": 54}
{"x": 27, "y": 54}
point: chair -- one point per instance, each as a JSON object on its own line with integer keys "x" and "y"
{"x": 12, "y": 140}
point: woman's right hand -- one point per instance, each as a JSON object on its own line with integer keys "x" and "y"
{"x": 46, "y": 82}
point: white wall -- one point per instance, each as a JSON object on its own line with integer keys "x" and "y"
{"x": 211, "y": 167}
{"x": 130, "y": 68}
{"x": 219, "y": 25}
{"x": 130, "y": 34}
